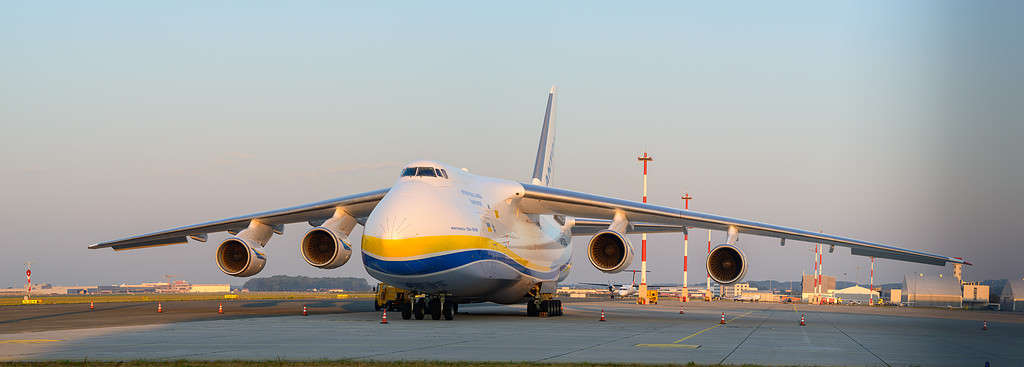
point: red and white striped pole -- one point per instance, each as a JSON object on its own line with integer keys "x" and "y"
{"x": 686, "y": 252}
{"x": 708, "y": 294}
{"x": 28, "y": 279}
{"x": 871, "y": 283}
{"x": 821, "y": 270}
{"x": 815, "y": 275}
{"x": 643, "y": 238}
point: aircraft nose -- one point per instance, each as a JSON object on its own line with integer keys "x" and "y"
{"x": 410, "y": 210}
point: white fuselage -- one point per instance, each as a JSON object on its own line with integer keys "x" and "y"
{"x": 626, "y": 291}
{"x": 462, "y": 236}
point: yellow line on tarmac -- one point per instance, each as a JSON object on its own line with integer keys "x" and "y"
{"x": 28, "y": 341}
{"x": 676, "y": 344}
{"x": 698, "y": 333}
{"x": 684, "y": 346}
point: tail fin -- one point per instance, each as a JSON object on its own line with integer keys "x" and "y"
{"x": 545, "y": 152}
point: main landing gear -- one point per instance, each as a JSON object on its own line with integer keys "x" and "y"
{"x": 435, "y": 306}
{"x": 551, "y": 307}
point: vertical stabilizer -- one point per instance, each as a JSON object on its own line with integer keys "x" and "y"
{"x": 545, "y": 151}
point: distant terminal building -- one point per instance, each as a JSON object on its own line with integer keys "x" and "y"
{"x": 736, "y": 290}
{"x": 1012, "y": 298}
{"x": 975, "y": 295}
{"x": 210, "y": 288}
{"x": 762, "y": 296}
{"x": 856, "y": 294}
{"x": 929, "y": 291}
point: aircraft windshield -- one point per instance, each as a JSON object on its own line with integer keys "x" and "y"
{"x": 424, "y": 172}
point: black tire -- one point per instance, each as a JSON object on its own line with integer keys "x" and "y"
{"x": 448, "y": 310}
{"x": 531, "y": 308}
{"x": 545, "y": 307}
{"x": 434, "y": 307}
{"x": 376, "y": 307}
{"x": 406, "y": 310}
{"x": 419, "y": 310}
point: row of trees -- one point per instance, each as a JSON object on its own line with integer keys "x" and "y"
{"x": 301, "y": 283}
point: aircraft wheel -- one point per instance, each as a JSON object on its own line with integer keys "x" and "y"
{"x": 419, "y": 309}
{"x": 448, "y": 310}
{"x": 434, "y": 307}
{"x": 531, "y": 308}
{"x": 558, "y": 308}
{"x": 406, "y": 310}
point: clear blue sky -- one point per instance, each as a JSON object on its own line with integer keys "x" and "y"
{"x": 896, "y": 122}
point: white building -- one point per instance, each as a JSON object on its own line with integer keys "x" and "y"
{"x": 856, "y": 294}
{"x": 210, "y": 288}
{"x": 736, "y": 290}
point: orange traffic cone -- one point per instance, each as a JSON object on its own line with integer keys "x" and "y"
{"x": 681, "y": 310}
{"x": 984, "y": 325}
{"x": 91, "y": 306}
{"x": 384, "y": 317}
{"x": 159, "y": 308}
{"x": 802, "y": 320}
{"x": 723, "y": 319}
{"x": 304, "y": 311}
{"x": 220, "y": 308}
{"x": 602, "y": 315}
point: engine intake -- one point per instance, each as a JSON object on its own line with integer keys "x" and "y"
{"x": 727, "y": 264}
{"x": 325, "y": 248}
{"x": 236, "y": 258}
{"x": 609, "y": 251}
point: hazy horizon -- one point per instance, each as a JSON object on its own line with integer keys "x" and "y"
{"x": 896, "y": 123}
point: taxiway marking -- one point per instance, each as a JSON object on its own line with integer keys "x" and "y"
{"x": 676, "y": 344}
{"x": 28, "y": 341}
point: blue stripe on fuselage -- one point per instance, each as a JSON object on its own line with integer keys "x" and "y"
{"x": 444, "y": 262}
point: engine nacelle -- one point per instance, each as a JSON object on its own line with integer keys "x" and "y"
{"x": 727, "y": 264}
{"x": 237, "y": 258}
{"x": 324, "y": 248}
{"x": 325, "y": 245}
{"x": 609, "y": 251}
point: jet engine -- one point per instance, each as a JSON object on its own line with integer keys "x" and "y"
{"x": 727, "y": 264}
{"x": 325, "y": 245}
{"x": 609, "y": 251}
{"x": 237, "y": 258}
{"x": 324, "y": 248}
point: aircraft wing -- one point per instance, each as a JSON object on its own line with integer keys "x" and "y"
{"x": 538, "y": 199}
{"x": 358, "y": 206}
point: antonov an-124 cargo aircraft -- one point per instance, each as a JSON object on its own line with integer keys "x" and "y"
{"x": 446, "y": 236}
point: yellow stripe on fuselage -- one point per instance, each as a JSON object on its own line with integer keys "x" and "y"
{"x": 421, "y": 247}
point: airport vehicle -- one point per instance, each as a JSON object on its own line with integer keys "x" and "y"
{"x": 448, "y": 236}
{"x": 388, "y": 297}
{"x": 652, "y": 297}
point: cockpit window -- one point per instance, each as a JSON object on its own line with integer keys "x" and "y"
{"x": 426, "y": 171}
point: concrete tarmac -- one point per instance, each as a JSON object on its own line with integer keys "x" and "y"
{"x": 754, "y": 333}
